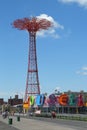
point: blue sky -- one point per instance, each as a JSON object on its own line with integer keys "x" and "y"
{"x": 61, "y": 51}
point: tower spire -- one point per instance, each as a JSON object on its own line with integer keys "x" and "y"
{"x": 32, "y": 26}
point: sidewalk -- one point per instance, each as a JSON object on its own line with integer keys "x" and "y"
{"x": 31, "y": 124}
{"x": 4, "y": 126}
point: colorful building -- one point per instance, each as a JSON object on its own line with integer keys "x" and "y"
{"x": 67, "y": 102}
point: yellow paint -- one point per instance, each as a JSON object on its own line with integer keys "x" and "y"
{"x": 26, "y": 105}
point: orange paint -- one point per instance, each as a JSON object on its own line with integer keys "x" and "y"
{"x": 63, "y": 99}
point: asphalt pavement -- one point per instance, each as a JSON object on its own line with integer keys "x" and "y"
{"x": 41, "y": 124}
{"x": 4, "y": 126}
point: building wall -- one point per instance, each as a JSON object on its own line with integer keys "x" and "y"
{"x": 1, "y": 101}
{"x": 15, "y": 101}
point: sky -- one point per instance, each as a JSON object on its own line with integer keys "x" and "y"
{"x": 61, "y": 50}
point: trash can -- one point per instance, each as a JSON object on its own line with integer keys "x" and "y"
{"x": 10, "y": 121}
{"x": 18, "y": 118}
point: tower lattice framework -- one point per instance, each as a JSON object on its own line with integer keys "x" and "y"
{"x": 32, "y": 26}
{"x": 32, "y": 83}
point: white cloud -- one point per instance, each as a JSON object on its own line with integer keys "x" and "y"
{"x": 80, "y": 2}
{"x": 82, "y": 71}
{"x": 51, "y": 31}
{"x": 84, "y": 68}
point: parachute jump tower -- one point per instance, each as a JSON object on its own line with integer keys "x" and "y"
{"x": 32, "y": 25}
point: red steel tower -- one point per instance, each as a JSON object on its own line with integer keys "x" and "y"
{"x": 32, "y": 25}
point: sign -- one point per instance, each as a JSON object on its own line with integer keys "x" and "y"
{"x": 26, "y": 105}
{"x": 72, "y": 100}
{"x": 63, "y": 99}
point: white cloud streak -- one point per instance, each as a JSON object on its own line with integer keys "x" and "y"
{"x": 51, "y": 31}
{"x": 82, "y": 71}
{"x": 80, "y": 2}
